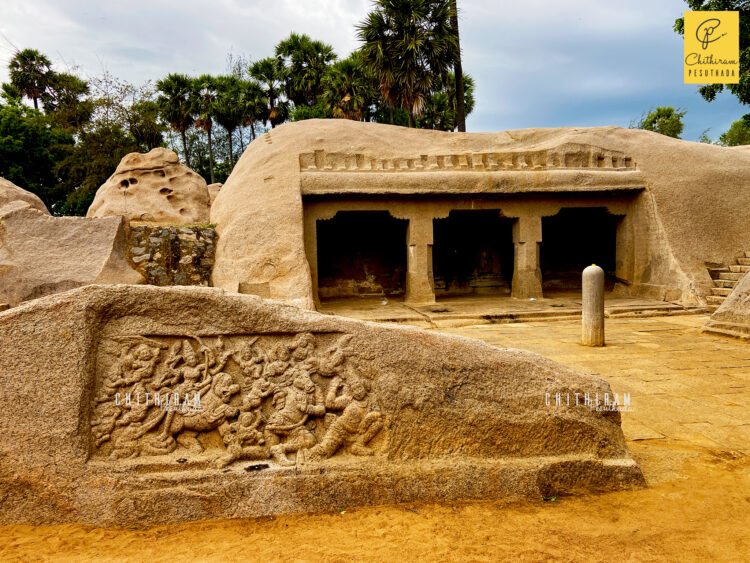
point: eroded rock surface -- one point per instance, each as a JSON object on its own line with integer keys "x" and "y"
{"x": 130, "y": 404}
{"x": 213, "y": 191}
{"x": 153, "y": 188}
{"x": 41, "y": 255}
{"x": 9, "y": 193}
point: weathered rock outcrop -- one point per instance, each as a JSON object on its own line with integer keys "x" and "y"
{"x": 687, "y": 202}
{"x": 213, "y": 191}
{"x": 732, "y": 318}
{"x": 153, "y": 188}
{"x": 41, "y": 255}
{"x": 9, "y": 193}
{"x": 280, "y": 410}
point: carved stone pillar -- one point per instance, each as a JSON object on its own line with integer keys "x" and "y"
{"x": 420, "y": 285}
{"x": 527, "y": 275}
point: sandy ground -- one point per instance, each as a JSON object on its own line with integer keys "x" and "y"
{"x": 689, "y": 430}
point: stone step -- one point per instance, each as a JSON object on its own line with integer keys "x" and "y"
{"x": 711, "y": 309}
{"x": 747, "y": 254}
{"x": 725, "y": 283}
{"x": 715, "y": 299}
{"x": 739, "y": 268}
{"x": 730, "y": 276}
{"x": 721, "y": 291}
{"x": 743, "y": 261}
{"x": 724, "y": 329}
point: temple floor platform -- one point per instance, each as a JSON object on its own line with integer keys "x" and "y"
{"x": 472, "y": 310}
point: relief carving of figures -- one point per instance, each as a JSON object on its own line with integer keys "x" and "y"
{"x": 292, "y": 398}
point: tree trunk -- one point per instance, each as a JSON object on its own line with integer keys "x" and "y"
{"x": 458, "y": 71}
{"x": 390, "y": 111}
{"x": 411, "y": 120}
{"x": 252, "y": 131}
{"x": 231, "y": 150}
{"x": 184, "y": 148}
{"x": 210, "y": 155}
{"x": 36, "y": 103}
{"x": 242, "y": 141}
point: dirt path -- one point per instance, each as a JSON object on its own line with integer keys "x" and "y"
{"x": 689, "y": 425}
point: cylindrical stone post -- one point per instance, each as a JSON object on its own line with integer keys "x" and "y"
{"x": 593, "y": 306}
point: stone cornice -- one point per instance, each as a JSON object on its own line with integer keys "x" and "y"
{"x": 566, "y": 157}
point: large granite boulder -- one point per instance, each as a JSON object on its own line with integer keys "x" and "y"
{"x": 40, "y": 254}
{"x": 213, "y": 191}
{"x": 137, "y": 404}
{"x": 153, "y": 188}
{"x": 9, "y": 193}
{"x": 732, "y": 318}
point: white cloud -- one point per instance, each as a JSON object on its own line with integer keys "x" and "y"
{"x": 535, "y": 63}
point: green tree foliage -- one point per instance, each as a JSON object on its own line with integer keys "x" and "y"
{"x": 737, "y": 134}
{"x": 143, "y": 123}
{"x": 664, "y": 119}
{"x": 271, "y": 74}
{"x": 742, "y": 89}
{"x": 349, "y": 89}
{"x": 229, "y": 111}
{"x": 93, "y": 159}
{"x": 177, "y": 105}
{"x": 30, "y": 72}
{"x": 31, "y": 149}
{"x": 66, "y": 101}
{"x": 410, "y": 45}
{"x": 442, "y": 110}
{"x": 204, "y": 93}
{"x": 306, "y": 62}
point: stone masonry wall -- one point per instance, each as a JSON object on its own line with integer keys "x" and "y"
{"x": 173, "y": 255}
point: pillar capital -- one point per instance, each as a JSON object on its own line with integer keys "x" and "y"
{"x": 527, "y": 228}
{"x": 527, "y": 274}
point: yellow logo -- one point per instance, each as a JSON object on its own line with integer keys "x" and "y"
{"x": 712, "y": 47}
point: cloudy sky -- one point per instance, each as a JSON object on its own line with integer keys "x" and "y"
{"x": 537, "y": 63}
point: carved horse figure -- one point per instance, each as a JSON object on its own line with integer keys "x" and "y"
{"x": 183, "y": 427}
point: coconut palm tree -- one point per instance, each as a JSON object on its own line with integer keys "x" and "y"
{"x": 410, "y": 45}
{"x": 306, "y": 63}
{"x": 30, "y": 72}
{"x": 204, "y": 92}
{"x": 176, "y": 105}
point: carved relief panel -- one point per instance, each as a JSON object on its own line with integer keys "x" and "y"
{"x": 291, "y": 398}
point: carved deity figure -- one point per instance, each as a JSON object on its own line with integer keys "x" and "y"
{"x": 295, "y": 404}
{"x": 358, "y": 424}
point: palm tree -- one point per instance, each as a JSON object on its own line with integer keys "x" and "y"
{"x": 271, "y": 74}
{"x": 228, "y": 108}
{"x": 176, "y": 105}
{"x": 30, "y": 73}
{"x": 205, "y": 108}
{"x": 459, "y": 74}
{"x": 254, "y": 105}
{"x": 306, "y": 62}
{"x": 410, "y": 45}
{"x": 347, "y": 88}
